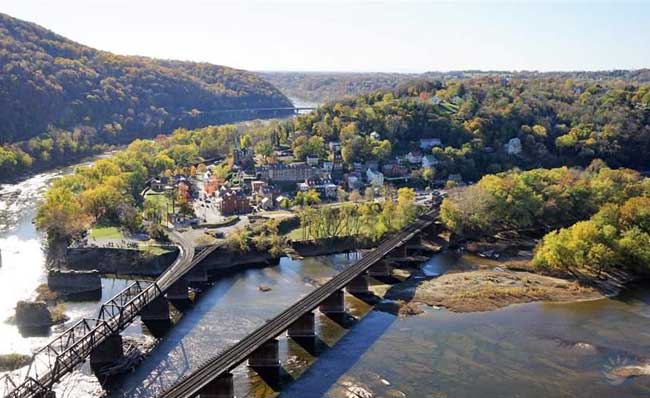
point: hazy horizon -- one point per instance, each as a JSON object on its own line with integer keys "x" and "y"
{"x": 358, "y": 37}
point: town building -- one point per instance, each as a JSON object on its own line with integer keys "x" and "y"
{"x": 414, "y": 157}
{"x": 287, "y": 173}
{"x": 233, "y": 201}
{"x": 353, "y": 180}
{"x": 394, "y": 170}
{"x": 429, "y": 161}
{"x": 243, "y": 157}
{"x": 375, "y": 178}
{"x": 313, "y": 160}
{"x": 372, "y": 165}
{"x": 427, "y": 143}
{"x": 324, "y": 187}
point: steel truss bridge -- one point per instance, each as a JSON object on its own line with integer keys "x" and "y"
{"x": 72, "y": 347}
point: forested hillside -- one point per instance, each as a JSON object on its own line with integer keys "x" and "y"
{"x": 59, "y": 98}
{"x": 488, "y": 124}
{"x": 330, "y": 86}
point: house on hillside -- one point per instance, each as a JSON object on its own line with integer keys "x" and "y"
{"x": 429, "y": 161}
{"x": 394, "y": 170}
{"x": 414, "y": 157}
{"x": 513, "y": 147}
{"x": 375, "y": 178}
{"x": 427, "y": 143}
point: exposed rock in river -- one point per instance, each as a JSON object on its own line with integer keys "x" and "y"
{"x": 486, "y": 290}
{"x": 9, "y": 362}
{"x": 36, "y": 315}
{"x": 632, "y": 371}
{"x": 33, "y": 315}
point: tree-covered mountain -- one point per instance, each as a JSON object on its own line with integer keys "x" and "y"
{"x": 329, "y": 86}
{"x": 60, "y": 94}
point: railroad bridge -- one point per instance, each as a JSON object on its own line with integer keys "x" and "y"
{"x": 260, "y": 348}
{"x": 99, "y": 338}
{"x": 100, "y": 341}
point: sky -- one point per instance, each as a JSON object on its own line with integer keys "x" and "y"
{"x": 358, "y": 36}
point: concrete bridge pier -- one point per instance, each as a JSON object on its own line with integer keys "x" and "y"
{"x": 303, "y": 332}
{"x": 198, "y": 275}
{"x": 221, "y": 387}
{"x": 108, "y": 352}
{"x": 304, "y": 327}
{"x": 380, "y": 269}
{"x": 358, "y": 286}
{"x": 178, "y": 293}
{"x": 334, "y": 304}
{"x": 156, "y": 317}
{"x": 179, "y": 290}
{"x": 266, "y": 362}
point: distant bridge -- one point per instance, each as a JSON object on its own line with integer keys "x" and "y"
{"x": 296, "y": 110}
{"x": 260, "y": 348}
{"x": 99, "y": 338}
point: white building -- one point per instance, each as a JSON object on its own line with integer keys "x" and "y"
{"x": 375, "y": 178}
{"x": 429, "y": 161}
{"x": 312, "y": 160}
{"x": 266, "y": 204}
{"x": 414, "y": 157}
{"x": 513, "y": 147}
{"x": 428, "y": 143}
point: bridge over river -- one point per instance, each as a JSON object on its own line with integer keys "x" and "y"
{"x": 214, "y": 380}
{"x": 99, "y": 339}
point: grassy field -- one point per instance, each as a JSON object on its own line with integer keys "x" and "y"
{"x": 106, "y": 233}
{"x": 154, "y": 250}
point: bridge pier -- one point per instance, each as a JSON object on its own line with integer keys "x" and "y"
{"x": 179, "y": 291}
{"x": 358, "y": 285}
{"x": 266, "y": 361}
{"x": 197, "y": 275}
{"x": 304, "y": 327}
{"x": 108, "y": 352}
{"x": 380, "y": 269}
{"x": 221, "y": 387}
{"x": 156, "y": 317}
{"x": 334, "y": 304}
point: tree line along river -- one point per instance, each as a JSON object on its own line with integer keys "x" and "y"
{"x": 532, "y": 350}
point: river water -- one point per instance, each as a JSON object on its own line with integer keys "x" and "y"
{"x": 529, "y": 350}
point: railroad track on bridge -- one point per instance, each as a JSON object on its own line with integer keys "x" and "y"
{"x": 238, "y": 353}
{"x": 72, "y": 347}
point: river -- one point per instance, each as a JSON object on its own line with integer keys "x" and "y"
{"x": 531, "y": 350}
